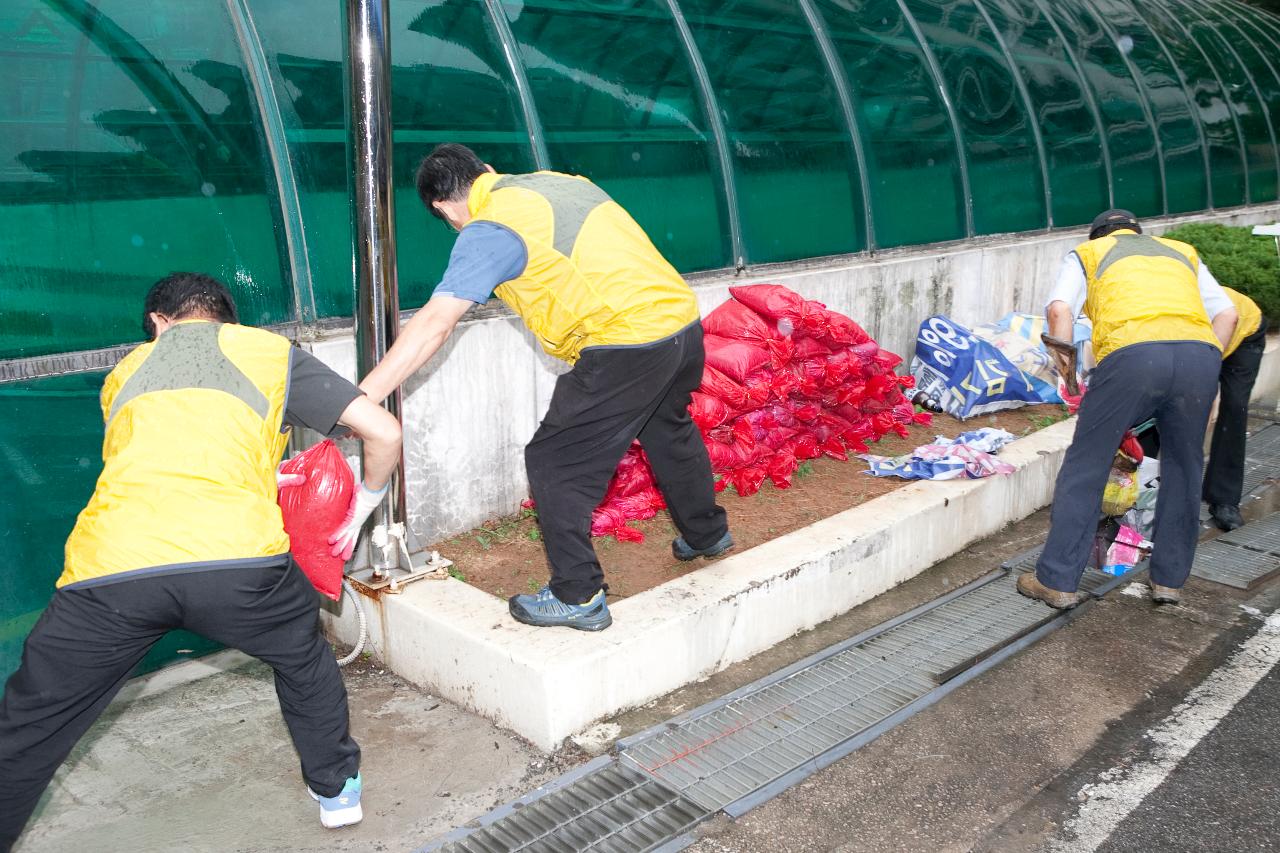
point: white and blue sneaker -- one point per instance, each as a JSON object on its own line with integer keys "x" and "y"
{"x": 342, "y": 810}
{"x": 544, "y": 610}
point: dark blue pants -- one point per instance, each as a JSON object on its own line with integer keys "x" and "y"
{"x": 1174, "y": 382}
{"x": 1224, "y": 477}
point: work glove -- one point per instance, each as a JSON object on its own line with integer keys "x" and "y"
{"x": 363, "y": 503}
{"x": 284, "y": 480}
{"x": 1072, "y": 401}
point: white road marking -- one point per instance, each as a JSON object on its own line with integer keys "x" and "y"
{"x": 1118, "y": 791}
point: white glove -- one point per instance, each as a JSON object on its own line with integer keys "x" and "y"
{"x": 284, "y": 480}
{"x": 363, "y": 503}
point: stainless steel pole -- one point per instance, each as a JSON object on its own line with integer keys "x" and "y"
{"x": 368, "y": 60}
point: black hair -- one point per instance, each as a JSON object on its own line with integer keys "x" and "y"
{"x": 186, "y": 295}
{"x": 446, "y": 174}
{"x": 1110, "y": 221}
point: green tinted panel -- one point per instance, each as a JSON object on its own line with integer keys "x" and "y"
{"x": 1073, "y": 143}
{"x": 1244, "y": 100}
{"x": 50, "y": 458}
{"x": 1004, "y": 165}
{"x": 910, "y": 148}
{"x": 622, "y": 108}
{"x": 1135, "y": 165}
{"x": 1260, "y": 55}
{"x": 793, "y": 158}
{"x": 132, "y": 147}
{"x": 1184, "y": 157}
{"x": 449, "y": 83}
{"x": 1226, "y": 163}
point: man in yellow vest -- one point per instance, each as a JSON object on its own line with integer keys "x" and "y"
{"x": 1242, "y": 357}
{"x": 1160, "y": 323}
{"x": 183, "y": 531}
{"x": 595, "y": 292}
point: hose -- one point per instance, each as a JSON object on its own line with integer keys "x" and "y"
{"x": 364, "y": 630}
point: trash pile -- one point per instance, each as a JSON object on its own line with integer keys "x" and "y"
{"x": 968, "y": 455}
{"x": 1003, "y": 365}
{"x": 786, "y": 380}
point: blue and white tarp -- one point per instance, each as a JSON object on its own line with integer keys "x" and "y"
{"x": 967, "y": 455}
{"x": 965, "y": 375}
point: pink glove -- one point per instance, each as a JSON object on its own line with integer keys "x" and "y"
{"x": 363, "y": 503}
{"x": 284, "y": 480}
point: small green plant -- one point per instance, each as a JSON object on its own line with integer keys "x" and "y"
{"x": 804, "y": 469}
{"x": 534, "y": 534}
{"x": 1044, "y": 421}
{"x": 1238, "y": 260}
{"x": 533, "y": 585}
{"x": 457, "y": 573}
{"x": 484, "y": 541}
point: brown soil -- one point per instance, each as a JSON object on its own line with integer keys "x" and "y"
{"x": 505, "y": 556}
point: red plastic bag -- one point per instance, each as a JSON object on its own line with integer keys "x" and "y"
{"x": 735, "y": 358}
{"x": 735, "y": 320}
{"x": 315, "y": 509}
{"x": 708, "y": 412}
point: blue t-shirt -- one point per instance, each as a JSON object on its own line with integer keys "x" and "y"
{"x": 485, "y": 255}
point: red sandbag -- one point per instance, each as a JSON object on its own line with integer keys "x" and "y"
{"x": 735, "y": 359}
{"x": 708, "y": 412}
{"x": 313, "y": 510}
{"x": 804, "y": 446}
{"x": 836, "y": 330}
{"x": 735, "y": 320}
{"x": 887, "y": 360}
{"x": 772, "y": 300}
{"x": 780, "y": 468}
{"x": 811, "y": 348}
{"x": 716, "y": 384}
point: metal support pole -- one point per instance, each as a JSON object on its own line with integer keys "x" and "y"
{"x": 384, "y": 557}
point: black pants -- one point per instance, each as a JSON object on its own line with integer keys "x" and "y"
{"x": 1174, "y": 382}
{"x": 89, "y": 639}
{"x": 612, "y": 396}
{"x": 1224, "y": 478}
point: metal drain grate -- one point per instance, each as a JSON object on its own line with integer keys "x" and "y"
{"x": 1262, "y": 535}
{"x": 1232, "y": 565}
{"x": 1093, "y": 582}
{"x": 957, "y": 634}
{"x": 613, "y": 809}
{"x": 737, "y": 748}
{"x": 1263, "y": 446}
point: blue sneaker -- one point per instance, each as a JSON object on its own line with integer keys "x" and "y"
{"x": 342, "y": 810}
{"x": 544, "y": 610}
{"x": 683, "y": 551}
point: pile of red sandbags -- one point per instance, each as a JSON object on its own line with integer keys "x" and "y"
{"x": 786, "y": 380}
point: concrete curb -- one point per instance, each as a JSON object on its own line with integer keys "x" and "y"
{"x": 460, "y": 643}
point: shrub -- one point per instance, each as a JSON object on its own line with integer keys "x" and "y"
{"x": 1239, "y": 260}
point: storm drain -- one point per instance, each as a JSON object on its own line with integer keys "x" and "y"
{"x": 1263, "y": 447}
{"x": 730, "y": 751}
{"x": 1093, "y": 582}
{"x": 614, "y": 809}
{"x": 953, "y": 636}
{"x": 1262, "y": 535}
{"x": 1233, "y": 565}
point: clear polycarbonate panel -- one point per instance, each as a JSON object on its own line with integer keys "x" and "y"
{"x": 1072, "y": 138}
{"x": 1004, "y": 165}
{"x": 1243, "y": 96}
{"x": 1135, "y": 164}
{"x": 132, "y": 147}
{"x": 50, "y": 458}
{"x": 910, "y": 148}
{"x": 449, "y": 83}
{"x": 1226, "y": 159}
{"x": 622, "y": 108}
{"x": 1177, "y": 120}
{"x": 797, "y": 180}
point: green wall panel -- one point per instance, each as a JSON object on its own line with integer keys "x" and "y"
{"x": 797, "y": 181}
{"x": 622, "y": 107}
{"x": 132, "y": 147}
{"x": 1004, "y": 164}
{"x": 916, "y": 194}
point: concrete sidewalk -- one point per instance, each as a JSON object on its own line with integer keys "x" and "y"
{"x": 207, "y": 765}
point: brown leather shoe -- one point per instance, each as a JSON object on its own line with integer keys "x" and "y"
{"x": 1030, "y": 586}
{"x": 1165, "y": 594}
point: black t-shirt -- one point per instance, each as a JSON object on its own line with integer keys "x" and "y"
{"x": 316, "y": 396}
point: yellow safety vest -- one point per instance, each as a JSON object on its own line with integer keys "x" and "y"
{"x": 593, "y": 278}
{"x": 193, "y": 437}
{"x": 1141, "y": 289}
{"x": 1250, "y": 319}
